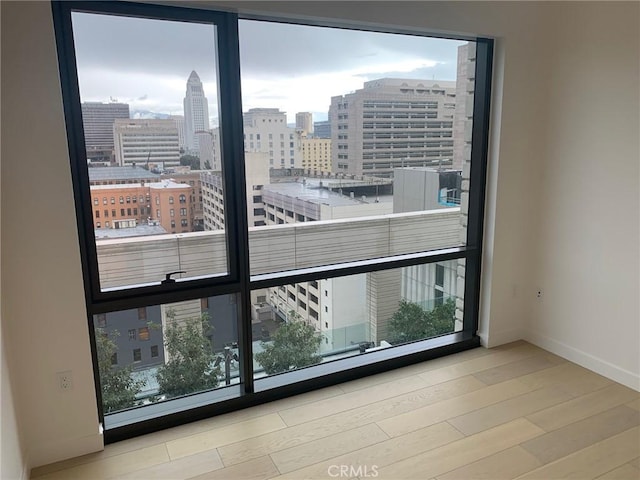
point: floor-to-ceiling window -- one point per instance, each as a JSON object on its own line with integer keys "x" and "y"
{"x": 266, "y": 207}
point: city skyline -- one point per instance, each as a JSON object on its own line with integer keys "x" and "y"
{"x": 275, "y": 73}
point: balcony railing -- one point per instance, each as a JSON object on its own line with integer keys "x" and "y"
{"x": 275, "y": 248}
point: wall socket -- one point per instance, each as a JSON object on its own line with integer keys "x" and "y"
{"x": 65, "y": 381}
{"x": 539, "y": 293}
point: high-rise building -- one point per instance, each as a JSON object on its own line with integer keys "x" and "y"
{"x": 196, "y": 113}
{"x": 392, "y": 123}
{"x": 322, "y": 129}
{"x": 179, "y": 119}
{"x": 142, "y": 142}
{"x": 97, "y": 121}
{"x": 266, "y": 131}
{"x": 304, "y": 122}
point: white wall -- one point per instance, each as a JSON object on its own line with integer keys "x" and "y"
{"x": 588, "y": 241}
{"x": 43, "y": 314}
{"x": 44, "y": 318}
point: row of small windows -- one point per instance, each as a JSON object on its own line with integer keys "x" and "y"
{"x": 400, "y": 105}
{"x": 403, "y": 125}
{"x": 405, "y": 145}
{"x": 96, "y": 201}
{"x": 400, "y": 115}
{"x": 400, "y": 135}
{"x": 129, "y": 212}
{"x": 406, "y": 161}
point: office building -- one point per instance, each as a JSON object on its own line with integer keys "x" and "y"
{"x": 196, "y": 113}
{"x": 182, "y": 136}
{"x": 152, "y": 143}
{"x": 304, "y": 122}
{"x": 97, "y": 122}
{"x": 322, "y": 129}
{"x": 266, "y": 131}
{"x": 392, "y": 123}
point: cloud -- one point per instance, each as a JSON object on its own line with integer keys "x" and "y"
{"x": 146, "y": 63}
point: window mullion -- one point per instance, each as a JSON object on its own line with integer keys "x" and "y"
{"x": 232, "y": 151}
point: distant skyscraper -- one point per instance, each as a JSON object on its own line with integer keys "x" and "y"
{"x": 196, "y": 112}
{"x": 322, "y": 129}
{"x": 304, "y": 121}
{"x": 97, "y": 120}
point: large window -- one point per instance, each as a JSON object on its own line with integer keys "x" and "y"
{"x": 361, "y": 251}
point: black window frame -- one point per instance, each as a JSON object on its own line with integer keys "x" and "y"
{"x": 238, "y": 279}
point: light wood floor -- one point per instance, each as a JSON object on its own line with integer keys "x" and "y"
{"x": 511, "y": 412}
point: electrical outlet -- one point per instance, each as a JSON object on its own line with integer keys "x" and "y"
{"x": 539, "y": 293}
{"x": 65, "y": 381}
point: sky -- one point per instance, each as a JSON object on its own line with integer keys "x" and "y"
{"x": 295, "y": 68}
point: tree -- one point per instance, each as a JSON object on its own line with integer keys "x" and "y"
{"x": 411, "y": 322}
{"x": 295, "y": 345}
{"x": 118, "y": 388}
{"x": 189, "y": 367}
{"x": 191, "y": 161}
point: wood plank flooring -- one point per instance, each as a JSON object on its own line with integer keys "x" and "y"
{"x": 512, "y": 412}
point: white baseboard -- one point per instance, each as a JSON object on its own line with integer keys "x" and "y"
{"x": 58, "y": 450}
{"x": 584, "y": 359}
{"x": 500, "y": 338}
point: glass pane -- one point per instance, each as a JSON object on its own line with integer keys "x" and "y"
{"x": 357, "y": 144}
{"x": 295, "y": 326}
{"x": 161, "y": 353}
{"x": 150, "y": 115}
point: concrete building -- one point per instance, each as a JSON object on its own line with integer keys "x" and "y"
{"x": 328, "y": 304}
{"x": 266, "y": 131}
{"x": 322, "y": 129}
{"x": 304, "y": 122}
{"x": 196, "y": 113}
{"x": 182, "y": 136}
{"x": 146, "y": 142}
{"x": 391, "y": 123}
{"x": 97, "y": 122}
{"x": 316, "y": 154}
{"x": 213, "y": 206}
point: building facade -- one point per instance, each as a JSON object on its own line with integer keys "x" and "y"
{"x": 97, "y": 122}
{"x": 196, "y": 113}
{"x": 316, "y": 154}
{"x": 146, "y": 142}
{"x": 266, "y": 131}
{"x": 304, "y": 122}
{"x": 165, "y": 203}
{"x": 392, "y": 123}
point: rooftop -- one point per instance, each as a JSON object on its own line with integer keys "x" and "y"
{"x": 138, "y": 231}
{"x": 120, "y": 173}
{"x": 312, "y": 191}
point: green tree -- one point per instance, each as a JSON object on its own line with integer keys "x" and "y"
{"x": 411, "y": 322}
{"x": 118, "y": 388}
{"x": 190, "y": 160}
{"x": 295, "y": 344}
{"x": 189, "y": 366}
